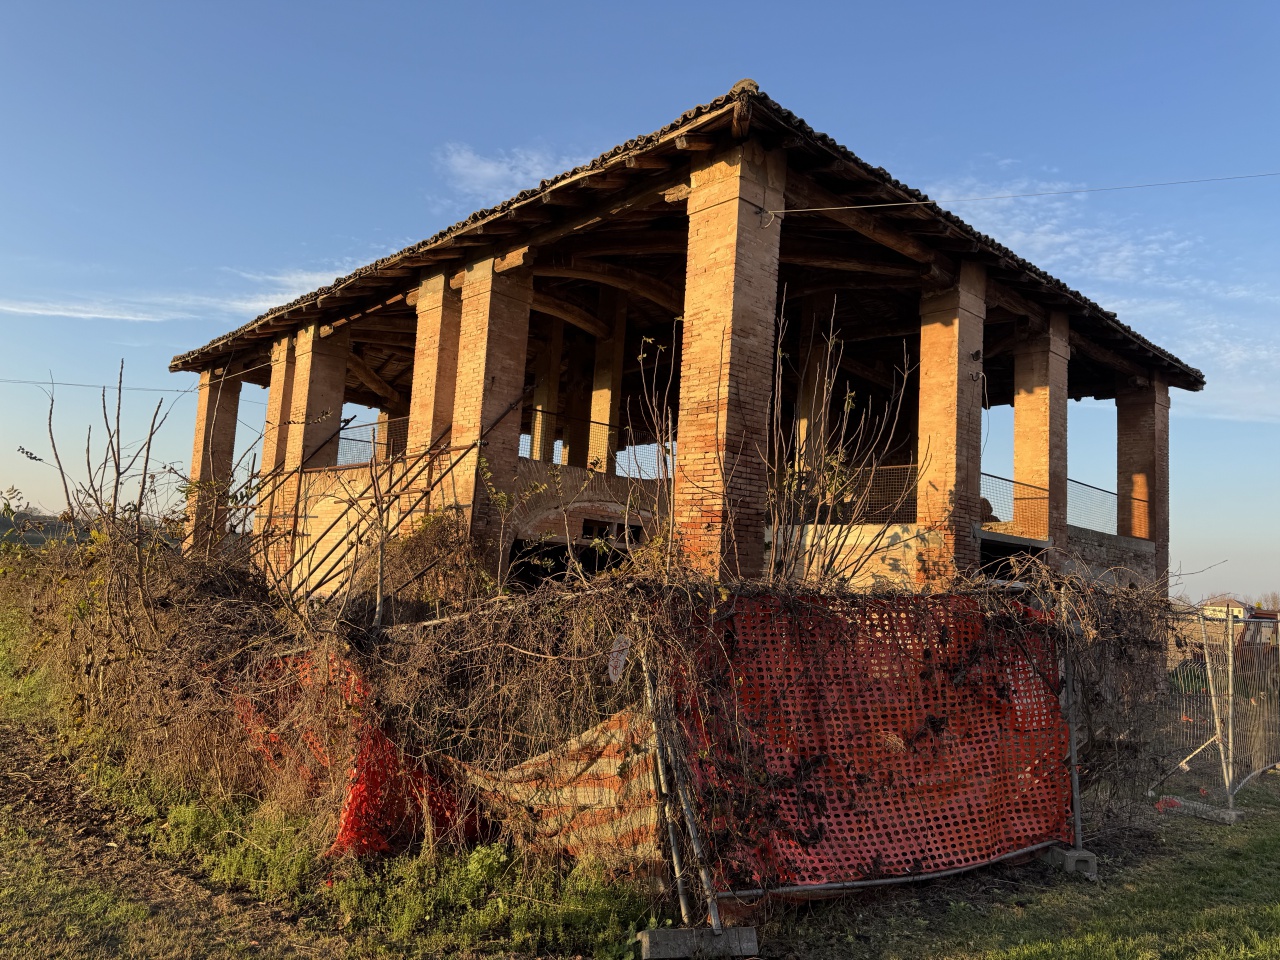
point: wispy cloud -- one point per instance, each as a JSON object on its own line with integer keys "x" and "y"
{"x": 232, "y": 295}
{"x": 491, "y": 179}
{"x": 1165, "y": 280}
{"x": 83, "y": 310}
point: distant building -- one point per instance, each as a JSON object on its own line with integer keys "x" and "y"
{"x": 1218, "y": 607}
{"x": 516, "y": 337}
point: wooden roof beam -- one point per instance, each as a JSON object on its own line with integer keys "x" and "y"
{"x": 621, "y": 278}
{"x": 802, "y": 193}
{"x": 1001, "y": 295}
{"x": 569, "y": 313}
{"x": 396, "y": 404}
{"x": 1105, "y": 356}
{"x": 838, "y": 257}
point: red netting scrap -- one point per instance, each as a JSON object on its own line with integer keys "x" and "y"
{"x": 834, "y": 742}
{"x": 387, "y": 803}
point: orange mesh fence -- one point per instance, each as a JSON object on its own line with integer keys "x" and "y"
{"x": 833, "y": 742}
{"x": 387, "y": 801}
{"x": 827, "y": 741}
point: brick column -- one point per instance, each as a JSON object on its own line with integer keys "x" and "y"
{"x": 949, "y": 454}
{"x": 814, "y": 364}
{"x": 212, "y": 457}
{"x": 606, "y": 383}
{"x": 1040, "y": 433}
{"x": 492, "y": 347}
{"x": 546, "y": 395}
{"x": 319, "y": 388}
{"x": 435, "y": 363}
{"x": 275, "y": 432}
{"x": 577, "y": 405}
{"x": 726, "y": 369}
{"x": 1142, "y": 466}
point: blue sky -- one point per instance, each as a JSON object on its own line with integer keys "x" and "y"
{"x": 169, "y": 171}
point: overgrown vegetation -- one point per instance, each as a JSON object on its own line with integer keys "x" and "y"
{"x": 224, "y": 711}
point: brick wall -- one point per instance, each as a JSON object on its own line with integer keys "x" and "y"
{"x": 1116, "y": 560}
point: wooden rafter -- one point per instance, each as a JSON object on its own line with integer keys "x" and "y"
{"x": 803, "y": 193}
{"x": 621, "y": 278}
{"x": 569, "y": 313}
{"x": 396, "y": 404}
{"x": 1106, "y": 356}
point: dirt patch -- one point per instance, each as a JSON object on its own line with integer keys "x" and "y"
{"x": 64, "y": 844}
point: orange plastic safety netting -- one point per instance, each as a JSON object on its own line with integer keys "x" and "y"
{"x": 389, "y": 800}
{"x": 832, "y": 742}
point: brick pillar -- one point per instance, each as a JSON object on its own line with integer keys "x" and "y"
{"x": 435, "y": 363}
{"x": 319, "y": 388}
{"x": 814, "y": 366}
{"x": 950, "y": 425}
{"x": 1142, "y": 466}
{"x": 275, "y": 432}
{"x": 1040, "y": 433}
{"x": 577, "y": 404}
{"x": 385, "y": 445}
{"x": 726, "y": 368}
{"x": 492, "y": 346}
{"x": 606, "y": 383}
{"x": 212, "y": 457}
{"x": 546, "y": 395}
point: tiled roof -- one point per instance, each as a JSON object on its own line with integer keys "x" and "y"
{"x": 743, "y": 92}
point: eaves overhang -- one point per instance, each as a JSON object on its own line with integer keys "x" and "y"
{"x": 498, "y": 229}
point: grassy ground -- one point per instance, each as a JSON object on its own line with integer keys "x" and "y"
{"x": 1174, "y": 887}
{"x": 82, "y": 877}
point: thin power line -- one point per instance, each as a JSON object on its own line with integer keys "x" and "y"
{"x": 1023, "y": 196}
{"x": 95, "y": 386}
{"x": 111, "y": 387}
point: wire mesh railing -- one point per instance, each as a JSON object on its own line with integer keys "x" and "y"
{"x": 363, "y": 442}
{"x": 576, "y": 442}
{"x": 1091, "y": 508}
{"x": 1018, "y": 509}
{"x": 873, "y": 494}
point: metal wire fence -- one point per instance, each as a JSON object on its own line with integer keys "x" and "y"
{"x": 875, "y": 494}
{"x": 1014, "y": 508}
{"x": 1091, "y": 507}
{"x": 360, "y": 442}
{"x": 1221, "y": 718}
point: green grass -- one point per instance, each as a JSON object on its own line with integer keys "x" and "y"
{"x": 1197, "y": 890}
{"x": 54, "y": 910}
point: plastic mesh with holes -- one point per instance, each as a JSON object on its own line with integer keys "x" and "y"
{"x": 832, "y": 742}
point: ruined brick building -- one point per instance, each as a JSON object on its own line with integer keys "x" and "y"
{"x": 553, "y": 338}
